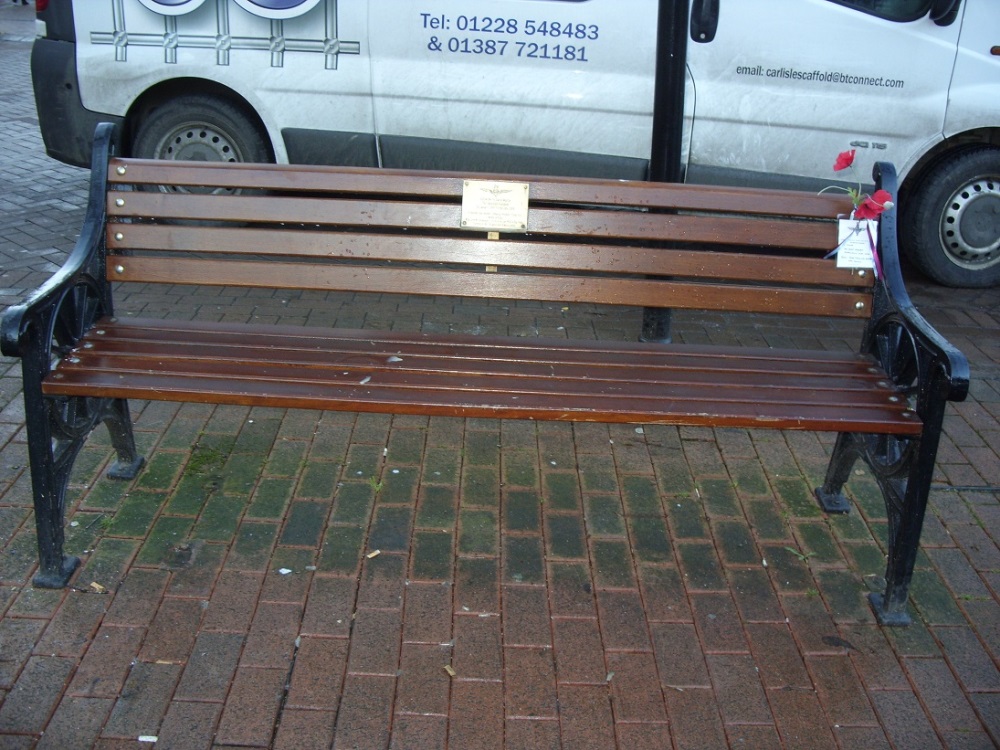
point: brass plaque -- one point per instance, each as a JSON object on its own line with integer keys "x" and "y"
{"x": 495, "y": 206}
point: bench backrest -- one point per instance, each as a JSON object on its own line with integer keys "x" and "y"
{"x": 365, "y": 230}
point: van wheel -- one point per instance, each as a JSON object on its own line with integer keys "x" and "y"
{"x": 951, "y": 226}
{"x": 199, "y": 128}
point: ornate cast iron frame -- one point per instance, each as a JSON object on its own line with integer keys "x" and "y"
{"x": 41, "y": 331}
{"x": 927, "y": 372}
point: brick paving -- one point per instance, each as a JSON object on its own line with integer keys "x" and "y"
{"x": 294, "y": 579}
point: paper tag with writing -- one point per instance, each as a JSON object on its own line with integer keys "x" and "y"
{"x": 855, "y": 243}
{"x": 497, "y": 206}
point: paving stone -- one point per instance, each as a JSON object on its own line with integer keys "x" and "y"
{"x": 612, "y": 563}
{"x": 375, "y": 642}
{"x": 578, "y": 650}
{"x": 436, "y": 507}
{"x": 522, "y": 511}
{"x": 342, "y": 549}
{"x": 428, "y": 613}
{"x": 106, "y": 664}
{"x": 76, "y": 722}
{"x": 251, "y": 707}
{"x": 523, "y": 560}
{"x": 35, "y": 694}
{"x": 940, "y": 692}
{"x": 188, "y": 726}
{"x": 410, "y": 730}
{"x": 701, "y": 567}
{"x": 478, "y": 648}
{"x": 535, "y": 733}
{"x": 565, "y": 536}
{"x": 561, "y": 490}
{"x": 433, "y": 555}
{"x": 210, "y": 667}
{"x": 586, "y": 718}
{"x": 905, "y": 723}
{"x": 840, "y": 690}
{"x": 424, "y": 684}
{"x": 970, "y": 661}
{"x": 526, "y": 619}
{"x": 663, "y": 593}
{"x": 17, "y": 639}
{"x": 172, "y": 632}
{"x": 530, "y": 683}
{"x": 71, "y": 628}
{"x": 800, "y": 720}
{"x": 777, "y": 656}
{"x": 479, "y": 532}
{"x": 481, "y": 486}
{"x": 476, "y": 718}
{"x": 477, "y": 585}
{"x": 143, "y": 701}
{"x": 694, "y": 719}
{"x": 623, "y": 625}
{"x": 164, "y": 542}
{"x": 571, "y": 590}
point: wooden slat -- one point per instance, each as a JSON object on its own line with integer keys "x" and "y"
{"x": 569, "y": 382}
{"x": 566, "y": 363}
{"x": 610, "y": 291}
{"x": 413, "y": 216}
{"x": 542, "y": 379}
{"x": 360, "y": 180}
{"x": 744, "y": 368}
{"x": 509, "y": 252}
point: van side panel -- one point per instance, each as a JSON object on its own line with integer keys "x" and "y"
{"x": 974, "y": 97}
{"x": 294, "y": 72}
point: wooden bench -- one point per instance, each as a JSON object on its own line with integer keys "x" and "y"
{"x": 586, "y": 241}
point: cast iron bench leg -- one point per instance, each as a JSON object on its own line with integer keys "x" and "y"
{"x": 906, "y": 487}
{"x": 57, "y": 430}
{"x": 845, "y": 452}
{"x": 119, "y": 424}
{"x": 903, "y": 469}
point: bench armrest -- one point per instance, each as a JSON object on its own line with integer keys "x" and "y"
{"x": 921, "y": 362}
{"x": 57, "y": 314}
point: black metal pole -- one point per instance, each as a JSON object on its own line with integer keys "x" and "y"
{"x": 668, "y": 126}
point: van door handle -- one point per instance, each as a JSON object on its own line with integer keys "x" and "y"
{"x": 704, "y": 20}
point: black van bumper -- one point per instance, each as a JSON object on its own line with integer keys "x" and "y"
{"x": 67, "y": 126}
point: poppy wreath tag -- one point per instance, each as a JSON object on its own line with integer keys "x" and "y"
{"x": 857, "y": 234}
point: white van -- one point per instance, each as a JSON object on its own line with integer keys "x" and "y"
{"x": 774, "y": 90}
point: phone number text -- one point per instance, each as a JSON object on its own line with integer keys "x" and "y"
{"x": 502, "y": 48}
{"x": 499, "y": 25}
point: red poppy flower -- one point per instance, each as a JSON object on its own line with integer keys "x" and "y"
{"x": 844, "y": 160}
{"x": 873, "y": 205}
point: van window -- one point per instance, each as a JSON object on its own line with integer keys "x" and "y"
{"x": 893, "y": 10}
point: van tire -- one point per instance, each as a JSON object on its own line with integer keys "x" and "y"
{"x": 199, "y": 128}
{"x": 951, "y": 224}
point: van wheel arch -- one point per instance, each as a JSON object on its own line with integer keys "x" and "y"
{"x": 193, "y": 102}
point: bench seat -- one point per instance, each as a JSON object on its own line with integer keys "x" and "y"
{"x": 481, "y": 376}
